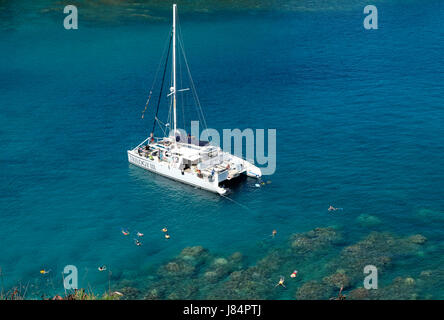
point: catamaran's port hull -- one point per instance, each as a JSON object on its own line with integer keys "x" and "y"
{"x": 173, "y": 173}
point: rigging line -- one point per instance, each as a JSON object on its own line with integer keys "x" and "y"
{"x": 163, "y": 80}
{"x": 238, "y": 203}
{"x": 164, "y": 131}
{"x": 182, "y": 96}
{"x": 155, "y": 79}
{"x": 170, "y": 116}
{"x": 181, "y": 45}
{"x": 192, "y": 84}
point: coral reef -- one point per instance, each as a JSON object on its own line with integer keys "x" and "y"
{"x": 327, "y": 269}
{"x": 359, "y": 294}
{"x": 376, "y": 249}
{"x": 338, "y": 280}
{"x": 399, "y": 289}
{"x": 314, "y": 290}
{"x": 314, "y": 240}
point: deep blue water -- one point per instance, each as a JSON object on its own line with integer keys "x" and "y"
{"x": 359, "y": 118}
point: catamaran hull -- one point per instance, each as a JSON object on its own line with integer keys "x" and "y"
{"x": 168, "y": 171}
{"x": 173, "y": 173}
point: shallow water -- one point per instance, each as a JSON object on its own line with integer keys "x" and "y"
{"x": 359, "y": 122}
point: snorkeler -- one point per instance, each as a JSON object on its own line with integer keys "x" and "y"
{"x": 139, "y": 234}
{"x": 137, "y": 242}
{"x": 331, "y": 208}
{"x": 43, "y": 271}
{"x": 281, "y": 282}
{"x": 102, "y": 268}
{"x": 125, "y": 232}
{"x": 294, "y": 274}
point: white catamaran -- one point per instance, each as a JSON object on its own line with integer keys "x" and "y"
{"x": 196, "y": 163}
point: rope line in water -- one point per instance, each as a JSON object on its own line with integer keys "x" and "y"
{"x": 238, "y": 203}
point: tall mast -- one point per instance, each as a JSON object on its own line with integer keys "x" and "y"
{"x": 174, "y": 69}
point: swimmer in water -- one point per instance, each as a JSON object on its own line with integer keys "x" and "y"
{"x": 137, "y": 242}
{"x": 164, "y": 230}
{"x": 281, "y": 282}
{"x": 102, "y": 268}
{"x": 139, "y": 234}
{"x": 273, "y": 233}
{"x": 331, "y": 208}
{"x": 294, "y": 274}
{"x": 167, "y": 236}
{"x": 43, "y": 271}
{"x": 125, "y": 232}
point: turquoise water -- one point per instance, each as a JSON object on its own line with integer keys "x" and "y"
{"x": 359, "y": 118}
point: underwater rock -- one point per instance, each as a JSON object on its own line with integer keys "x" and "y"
{"x": 130, "y": 293}
{"x": 337, "y": 280}
{"x": 153, "y": 294}
{"x": 271, "y": 262}
{"x": 160, "y": 289}
{"x": 125, "y": 283}
{"x": 236, "y": 257}
{"x": 412, "y": 244}
{"x": 425, "y": 274}
{"x": 194, "y": 252}
{"x": 187, "y": 263}
{"x": 172, "y": 267}
{"x": 431, "y": 282}
{"x": 319, "y": 238}
{"x": 376, "y": 249}
{"x": 183, "y": 292}
{"x": 197, "y": 274}
{"x": 177, "y": 268}
{"x": 211, "y": 276}
{"x": 220, "y": 262}
{"x": 243, "y": 284}
{"x": 417, "y": 239}
{"x": 359, "y": 294}
{"x": 163, "y": 288}
{"x": 367, "y": 220}
{"x": 220, "y": 268}
{"x": 216, "y": 274}
{"x": 313, "y": 290}
{"x": 399, "y": 289}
